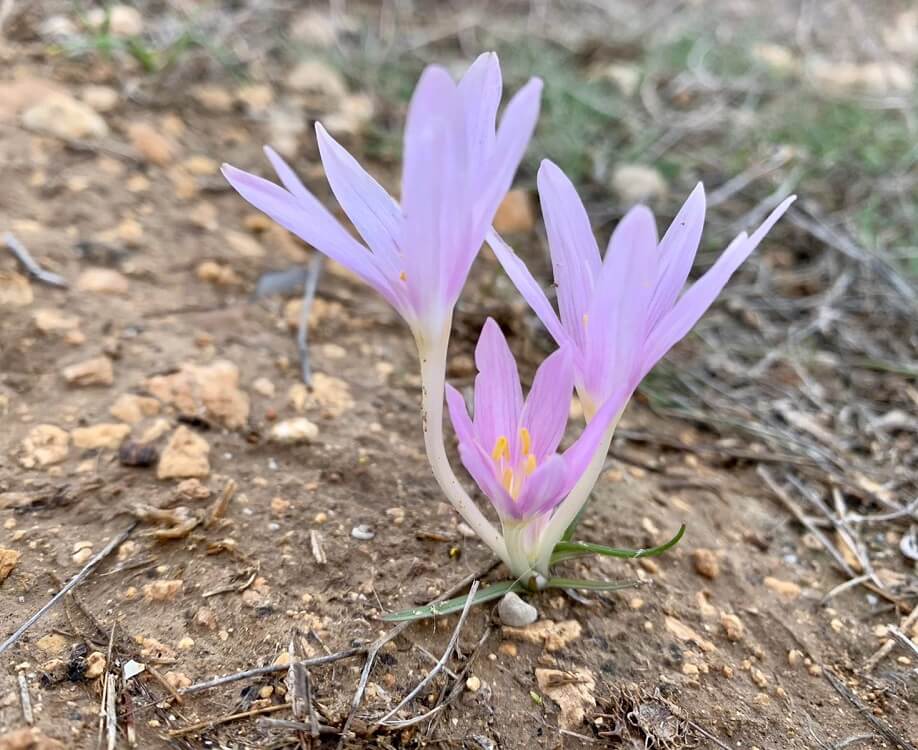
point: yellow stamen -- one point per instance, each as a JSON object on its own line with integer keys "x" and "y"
{"x": 501, "y": 449}
{"x": 586, "y": 319}
{"x": 526, "y": 440}
{"x": 506, "y": 480}
{"x": 530, "y": 465}
{"x": 403, "y": 276}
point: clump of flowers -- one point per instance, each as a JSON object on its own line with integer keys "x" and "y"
{"x": 617, "y": 316}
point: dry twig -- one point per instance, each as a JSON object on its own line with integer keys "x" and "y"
{"x": 24, "y": 699}
{"x": 70, "y": 585}
{"x": 30, "y": 264}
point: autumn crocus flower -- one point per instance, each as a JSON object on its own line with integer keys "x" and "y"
{"x": 510, "y": 447}
{"x": 458, "y": 165}
{"x": 619, "y": 315}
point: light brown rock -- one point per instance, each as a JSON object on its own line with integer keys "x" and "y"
{"x": 243, "y": 244}
{"x": 318, "y": 79}
{"x": 354, "y": 113}
{"x": 553, "y": 635}
{"x": 217, "y": 273}
{"x": 95, "y": 371}
{"x": 733, "y": 627}
{"x": 15, "y": 290}
{"x": 102, "y": 281}
{"x": 213, "y": 98}
{"x": 29, "y": 738}
{"x": 123, "y": 20}
{"x": 786, "y": 589}
{"x": 62, "y": 116}
{"x": 95, "y": 665}
{"x": 293, "y": 431}
{"x": 515, "y": 215}
{"x": 184, "y": 456}
{"x": 637, "y": 183}
{"x": 206, "y": 618}
{"x": 51, "y": 321}
{"x": 107, "y": 435}
{"x": 706, "y": 563}
{"x": 131, "y": 408}
{"x": 153, "y": 147}
{"x": 163, "y": 591}
{"x": 53, "y": 644}
{"x": 46, "y": 444}
{"x": 8, "y": 560}
{"x": 213, "y": 387}
{"x": 571, "y": 690}
{"x": 153, "y": 648}
{"x": 684, "y": 633}
{"x": 100, "y": 98}
{"x": 177, "y": 680}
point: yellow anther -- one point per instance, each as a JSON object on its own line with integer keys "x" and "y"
{"x": 501, "y": 449}
{"x": 506, "y": 480}
{"x": 403, "y": 276}
{"x": 531, "y": 464}
{"x": 526, "y": 440}
{"x": 586, "y": 319}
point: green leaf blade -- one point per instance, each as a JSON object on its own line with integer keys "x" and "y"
{"x": 568, "y": 550}
{"x": 448, "y": 607}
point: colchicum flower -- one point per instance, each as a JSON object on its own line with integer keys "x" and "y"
{"x": 619, "y": 315}
{"x": 458, "y": 165}
{"x": 510, "y": 447}
{"x": 457, "y": 168}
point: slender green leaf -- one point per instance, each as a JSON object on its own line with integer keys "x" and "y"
{"x": 569, "y": 531}
{"x": 574, "y": 583}
{"x": 439, "y": 609}
{"x": 568, "y": 550}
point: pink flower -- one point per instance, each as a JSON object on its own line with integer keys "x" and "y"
{"x": 457, "y": 167}
{"x": 510, "y": 447}
{"x": 620, "y": 315}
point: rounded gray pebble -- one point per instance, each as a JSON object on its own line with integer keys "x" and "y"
{"x": 515, "y": 612}
{"x": 363, "y": 532}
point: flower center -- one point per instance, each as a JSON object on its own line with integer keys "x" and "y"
{"x": 514, "y": 470}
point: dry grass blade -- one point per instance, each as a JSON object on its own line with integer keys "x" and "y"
{"x": 84, "y": 573}
{"x": 25, "y": 700}
{"x": 881, "y": 726}
{"x": 443, "y": 659}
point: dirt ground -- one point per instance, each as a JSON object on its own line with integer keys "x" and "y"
{"x": 155, "y": 396}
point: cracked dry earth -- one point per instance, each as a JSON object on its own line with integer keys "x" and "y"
{"x": 154, "y": 388}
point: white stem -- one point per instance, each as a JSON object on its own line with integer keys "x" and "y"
{"x": 570, "y": 507}
{"x": 432, "y": 354}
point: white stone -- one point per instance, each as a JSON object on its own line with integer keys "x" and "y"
{"x": 515, "y": 612}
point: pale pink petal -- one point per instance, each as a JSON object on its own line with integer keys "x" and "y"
{"x": 480, "y": 89}
{"x": 478, "y": 463}
{"x": 513, "y": 135}
{"x": 677, "y": 254}
{"x": 426, "y": 187}
{"x": 617, "y": 318}
{"x": 459, "y": 415}
{"x": 701, "y": 295}
{"x": 574, "y": 252}
{"x": 543, "y": 490}
{"x": 547, "y": 406}
{"x": 316, "y": 227}
{"x": 366, "y": 203}
{"x": 526, "y": 284}
{"x": 498, "y": 393}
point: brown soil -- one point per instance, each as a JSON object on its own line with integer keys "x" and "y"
{"x": 686, "y": 650}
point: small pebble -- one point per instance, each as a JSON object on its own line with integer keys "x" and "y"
{"x": 473, "y": 684}
{"x": 515, "y": 612}
{"x": 363, "y": 532}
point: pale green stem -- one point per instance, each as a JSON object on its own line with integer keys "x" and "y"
{"x": 432, "y": 353}
{"x": 570, "y": 507}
